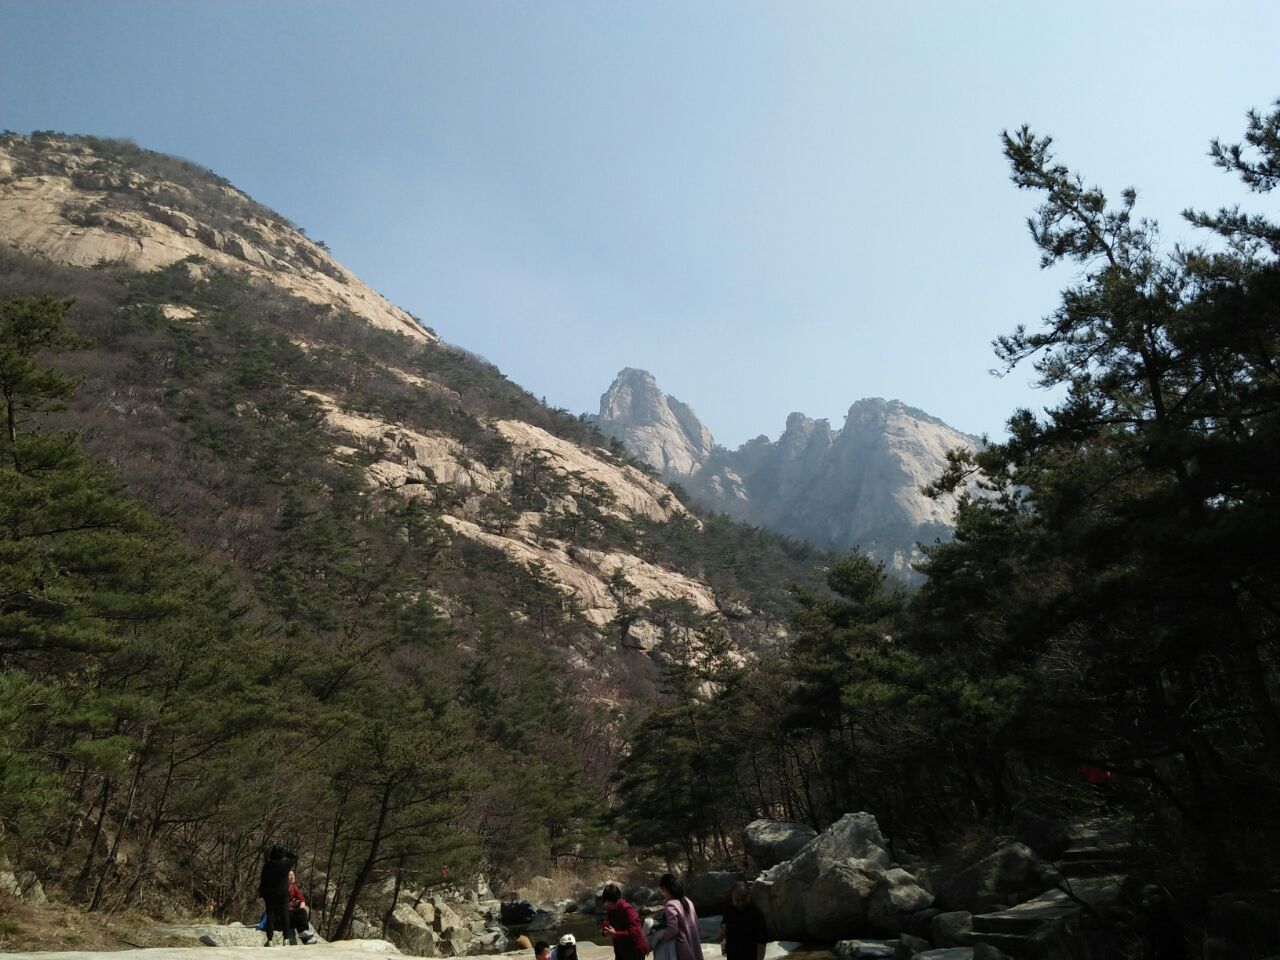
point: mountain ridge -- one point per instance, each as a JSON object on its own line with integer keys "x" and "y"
{"x": 853, "y": 487}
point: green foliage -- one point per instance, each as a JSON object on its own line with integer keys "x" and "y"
{"x": 1109, "y": 597}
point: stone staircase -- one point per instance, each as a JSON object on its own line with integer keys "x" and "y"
{"x": 1091, "y": 871}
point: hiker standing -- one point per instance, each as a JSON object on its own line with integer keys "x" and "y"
{"x": 742, "y": 928}
{"x": 274, "y": 891}
{"x": 622, "y": 924}
{"x": 681, "y": 920}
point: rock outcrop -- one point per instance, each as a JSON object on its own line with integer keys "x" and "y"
{"x": 859, "y": 486}
{"x": 769, "y": 842}
{"x": 1011, "y": 875}
{"x": 657, "y": 429}
{"x": 840, "y": 885}
{"x": 79, "y": 206}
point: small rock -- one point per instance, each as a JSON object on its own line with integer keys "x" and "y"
{"x": 858, "y": 949}
{"x": 909, "y": 946}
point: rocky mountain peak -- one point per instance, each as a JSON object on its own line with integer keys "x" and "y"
{"x": 859, "y": 486}
{"x": 656, "y": 428}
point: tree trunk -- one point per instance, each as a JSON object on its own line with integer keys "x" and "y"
{"x": 357, "y": 885}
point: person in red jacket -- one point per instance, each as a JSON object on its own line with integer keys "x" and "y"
{"x": 298, "y": 918}
{"x": 622, "y": 924}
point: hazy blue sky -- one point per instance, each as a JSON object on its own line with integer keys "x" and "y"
{"x": 771, "y": 206}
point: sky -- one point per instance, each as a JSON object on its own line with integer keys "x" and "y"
{"x": 771, "y": 206}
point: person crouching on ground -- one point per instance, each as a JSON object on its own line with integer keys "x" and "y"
{"x": 274, "y": 891}
{"x": 298, "y": 917}
{"x": 622, "y": 924}
{"x": 566, "y": 949}
{"x": 542, "y": 950}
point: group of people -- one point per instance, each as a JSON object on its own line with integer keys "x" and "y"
{"x": 675, "y": 936}
{"x": 286, "y": 905}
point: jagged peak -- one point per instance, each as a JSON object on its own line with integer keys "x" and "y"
{"x": 660, "y": 430}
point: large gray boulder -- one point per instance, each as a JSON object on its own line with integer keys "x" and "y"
{"x": 836, "y": 907}
{"x": 516, "y": 912}
{"x": 896, "y": 897}
{"x": 710, "y": 890}
{"x": 1011, "y": 875}
{"x": 410, "y": 932}
{"x": 824, "y": 891}
{"x": 769, "y": 842}
{"x": 951, "y": 929}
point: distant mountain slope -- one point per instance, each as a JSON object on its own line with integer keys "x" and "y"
{"x": 90, "y": 202}
{"x": 854, "y": 487}
{"x": 238, "y": 366}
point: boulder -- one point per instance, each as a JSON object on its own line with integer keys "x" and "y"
{"x": 212, "y": 934}
{"x": 410, "y": 932}
{"x": 644, "y": 896}
{"x": 909, "y": 946}
{"x": 860, "y": 949}
{"x": 446, "y": 918}
{"x": 894, "y": 900}
{"x": 1049, "y": 837}
{"x": 1011, "y": 875}
{"x": 709, "y": 891}
{"x": 1248, "y": 922}
{"x": 494, "y": 941}
{"x": 947, "y": 953}
{"x": 836, "y": 906}
{"x": 427, "y": 911}
{"x": 951, "y": 929}
{"x": 985, "y": 951}
{"x": 769, "y": 842}
{"x": 783, "y": 892}
{"x": 517, "y": 912}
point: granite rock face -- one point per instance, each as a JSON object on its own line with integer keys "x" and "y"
{"x": 655, "y": 428}
{"x": 858, "y": 486}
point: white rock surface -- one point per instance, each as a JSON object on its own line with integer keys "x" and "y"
{"x": 658, "y": 430}
{"x": 33, "y": 219}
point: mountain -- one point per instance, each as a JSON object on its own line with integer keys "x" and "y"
{"x": 391, "y": 565}
{"x": 858, "y": 486}
{"x": 657, "y": 429}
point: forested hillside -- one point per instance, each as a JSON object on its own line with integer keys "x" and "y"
{"x": 272, "y": 569}
{"x": 279, "y": 569}
{"x": 1100, "y": 638}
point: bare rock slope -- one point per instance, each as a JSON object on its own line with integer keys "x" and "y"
{"x": 86, "y": 202}
{"x": 859, "y": 486}
{"x": 79, "y": 206}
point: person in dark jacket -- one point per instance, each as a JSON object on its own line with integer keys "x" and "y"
{"x": 622, "y": 924}
{"x": 742, "y": 929}
{"x": 274, "y": 891}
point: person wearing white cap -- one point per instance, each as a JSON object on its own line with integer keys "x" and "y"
{"x": 566, "y": 949}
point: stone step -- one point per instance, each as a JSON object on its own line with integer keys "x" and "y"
{"x": 1017, "y": 945}
{"x": 1097, "y": 851}
{"x": 1092, "y": 868}
{"x": 1024, "y": 918}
